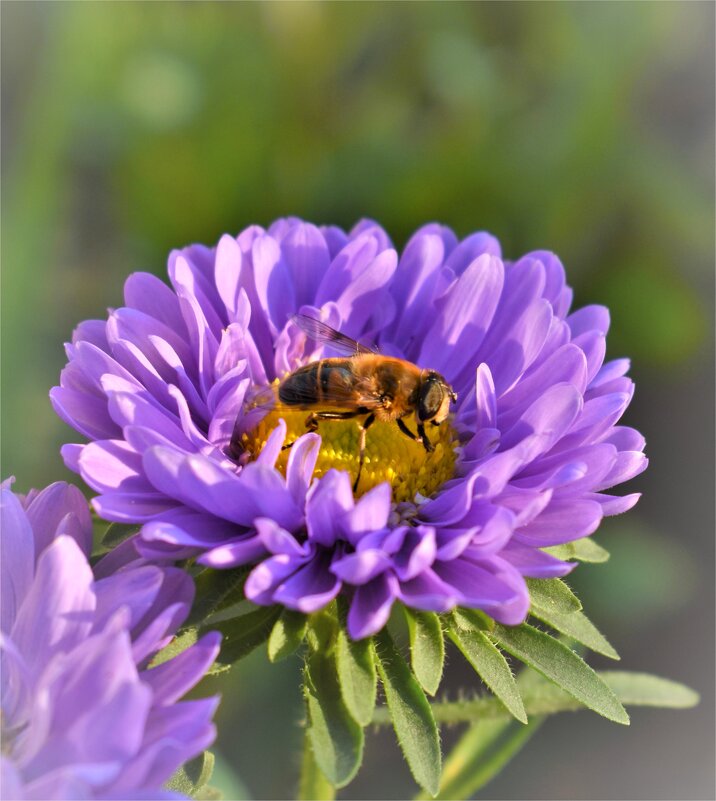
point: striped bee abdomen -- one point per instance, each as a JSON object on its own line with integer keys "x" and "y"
{"x": 328, "y": 382}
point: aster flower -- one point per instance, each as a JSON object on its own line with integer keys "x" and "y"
{"x": 83, "y": 716}
{"x": 165, "y": 385}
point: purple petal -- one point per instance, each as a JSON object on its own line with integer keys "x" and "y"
{"x": 627, "y": 465}
{"x": 59, "y": 605}
{"x": 428, "y": 592}
{"x": 301, "y": 463}
{"x": 277, "y": 540}
{"x": 311, "y": 587}
{"x": 492, "y": 585}
{"x": 174, "y": 678}
{"x": 460, "y": 325}
{"x": 534, "y": 563}
{"x": 147, "y": 294}
{"x": 589, "y": 318}
{"x": 133, "y": 507}
{"x": 113, "y": 465}
{"x": 202, "y": 485}
{"x": 327, "y": 502}
{"x": 371, "y": 605}
{"x": 17, "y": 549}
{"x": 369, "y": 514}
{"x": 562, "y": 521}
{"x": 470, "y": 249}
{"x": 549, "y": 417}
{"x": 615, "y": 504}
{"x": 267, "y": 576}
{"x": 306, "y": 254}
{"x": 274, "y": 286}
{"x": 362, "y": 566}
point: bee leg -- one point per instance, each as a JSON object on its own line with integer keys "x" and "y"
{"x": 429, "y": 447}
{"x": 367, "y": 423}
{"x": 408, "y": 433}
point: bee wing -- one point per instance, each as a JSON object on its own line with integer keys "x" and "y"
{"x": 323, "y": 334}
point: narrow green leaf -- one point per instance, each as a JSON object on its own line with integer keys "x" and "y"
{"x": 180, "y": 643}
{"x": 355, "y": 664}
{"x": 411, "y": 714}
{"x": 561, "y": 665}
{"x": 287, "y": 635}
{"x": 216, "y": 590}
{"x": 579, "y": 627}
{"x": 313, "y": 785}
{"x": 584, "y": 550}
{"x": 427, "y": 648}
{"x": 542, "y": 697}
{"x": 116, "y": 534}
{"x": 336, "y": 739}
{"x": 643, "y": 689}
{"x": 466, "y": 619}
{"x": 465, "y": 757}
{"x": 492, "y": 668}
{"x": 553, "y": 595}
{"x": 193, "y": 775}
{"x": 241, "y": 635}
{"x": 322, "y": 629}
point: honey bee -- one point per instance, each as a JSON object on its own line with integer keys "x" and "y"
{"x": 365, "y": 384}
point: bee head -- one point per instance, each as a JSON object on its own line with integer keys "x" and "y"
{"x": 434, "y": 398}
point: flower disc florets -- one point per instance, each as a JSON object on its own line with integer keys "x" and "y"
{"x": 83, "y": 716}
{"x": 164, "y": 385}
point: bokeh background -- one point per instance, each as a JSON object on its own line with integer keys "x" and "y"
{"x": 585, "y": 128}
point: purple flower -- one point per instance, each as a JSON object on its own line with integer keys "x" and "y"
{"x": 161, "y": 388}
{"x": 83, "y": 716}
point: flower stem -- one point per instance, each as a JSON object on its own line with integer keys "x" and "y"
{"x": 481, "y": 753}
{"x": 313, "y": 785}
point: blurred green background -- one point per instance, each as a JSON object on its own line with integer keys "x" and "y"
{"x": 588, "y": 129}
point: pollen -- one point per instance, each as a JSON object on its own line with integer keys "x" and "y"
{"x": 389, "y": 455}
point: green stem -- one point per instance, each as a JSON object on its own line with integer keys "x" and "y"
{"x": 482, "y": 753}
{"x": 313, "y": 785}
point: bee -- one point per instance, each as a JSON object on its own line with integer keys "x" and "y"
{"x": 365, "y": 385}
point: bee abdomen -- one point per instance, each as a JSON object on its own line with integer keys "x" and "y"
{"x": 318, "y": 382}
{"x": 300, "y": 387}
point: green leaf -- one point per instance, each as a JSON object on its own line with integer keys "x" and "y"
{"x": 579, "y": 627}
{"x": 552, "y": 595}
{"x": 561, "y": 665}
{"x": 542, "y": 697}
{"x": 116, "y": 534}
{"x": 427, "y": 648}
{"x": 643, "y": 689}
{"x": 180, "y": 643}
{"x": 492, "y": 668}
{"x": 216, "y": 590}
{"x": 466, "y": 619}
{"x": 355, "y": 664}
{"x": 192, "y": 776}
{"x": 287, "y": 635}
{"x": 313, "y": 785}
{"x": 411, "y": 714}
{"x": 336, "y": 738}
{"x": 584, "y": 550}
{"x": 322, "y": 629}
{"x": 240, "y": 635}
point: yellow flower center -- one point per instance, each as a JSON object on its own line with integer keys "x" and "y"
{"x": 389, "y": 455}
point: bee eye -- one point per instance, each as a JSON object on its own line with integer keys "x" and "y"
{"x": 431, "y": 398}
